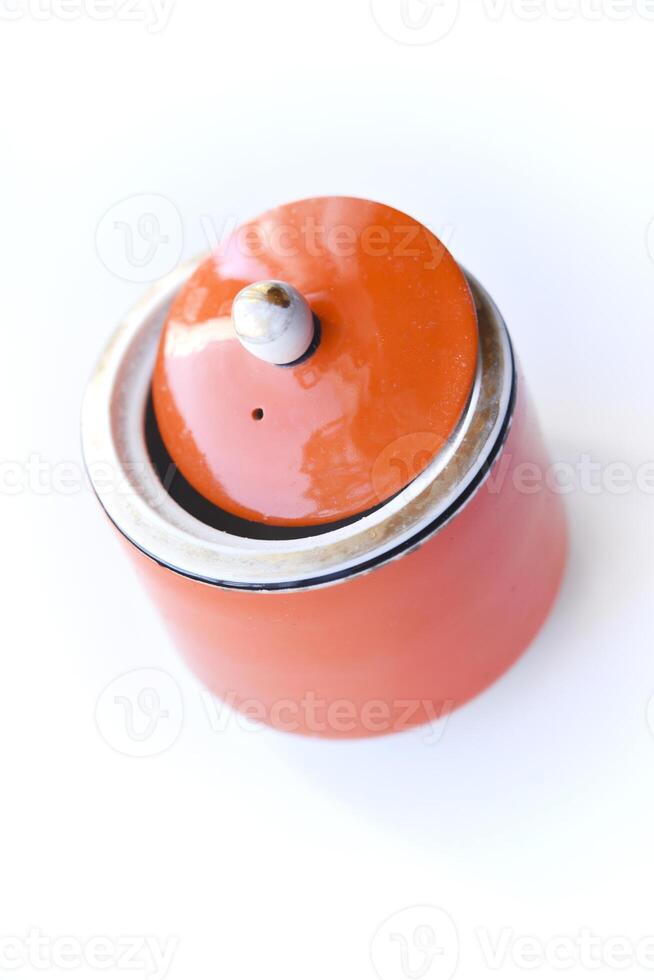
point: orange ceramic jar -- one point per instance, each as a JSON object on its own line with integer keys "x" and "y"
{"x": 325, "y": 436}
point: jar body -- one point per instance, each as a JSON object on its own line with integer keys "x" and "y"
{"x": 401, "y": 644}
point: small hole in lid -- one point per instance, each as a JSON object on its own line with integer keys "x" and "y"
{"x": 257, "y": 414}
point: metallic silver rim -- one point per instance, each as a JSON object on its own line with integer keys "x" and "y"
{"x": 127, "y": 485}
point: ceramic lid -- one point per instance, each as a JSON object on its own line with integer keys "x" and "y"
{"x": 341, "y": 370}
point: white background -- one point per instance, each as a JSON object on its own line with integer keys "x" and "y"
{"x": 529, "y": 141}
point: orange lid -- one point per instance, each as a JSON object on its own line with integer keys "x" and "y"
{"x": 351, "y": 422}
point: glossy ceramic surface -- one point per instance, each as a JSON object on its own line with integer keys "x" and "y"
{"x": 396, "y": 360}
{"x": 402, "y": 645}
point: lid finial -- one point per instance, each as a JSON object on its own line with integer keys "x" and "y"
{"x": 273, "y": 321}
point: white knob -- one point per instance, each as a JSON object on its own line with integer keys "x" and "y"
{"x": 273, "y": 321}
